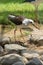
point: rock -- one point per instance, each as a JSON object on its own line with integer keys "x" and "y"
{"x": 10, "y": 59}
{"x": 29, "y": 54}
{"x": 14, "y": 47}
{"x": 6, "y": 39}
{"x": 41, "y": 58}
{"x": 18, "y": 63}
{"x": 34, "y": 61}
{"x": 39, "y": 50}
{"x": 24, "y": 60}
{"x": 37, "y": 37}
{"x": 1, "y": 49}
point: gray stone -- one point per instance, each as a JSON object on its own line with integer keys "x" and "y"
{"x": 18, "y": 63}
{"x": 1, "y": 50}
{"x": 5, "y": 39}
{"x": 37, "y": 37}
{"x": 41, "y": 58}
{"x": 34, "y": 61}
{"x": 24, "y": 59}
{"x": 14, "y": 47}
{"x": 10, "y": 59}
{"x": 29, "y": 53}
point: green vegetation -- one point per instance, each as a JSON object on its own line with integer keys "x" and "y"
{"x": 17, "y": 7}
{"x": 40, "y": 12}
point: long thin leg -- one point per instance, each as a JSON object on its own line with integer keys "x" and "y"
{"x": 15, "y": 33}
{"x": 22, "y": 34}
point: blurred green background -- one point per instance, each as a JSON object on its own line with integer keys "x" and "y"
{"x": 19, "y": 7}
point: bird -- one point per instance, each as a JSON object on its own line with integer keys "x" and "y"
{"x": 20, "y": 20}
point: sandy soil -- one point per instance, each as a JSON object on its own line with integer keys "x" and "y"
{"x": 25, "y": 32}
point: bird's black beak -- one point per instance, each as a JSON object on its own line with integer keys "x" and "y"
{"x": 36, "y": 26}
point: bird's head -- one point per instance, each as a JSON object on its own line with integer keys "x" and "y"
{"x": 29, "y": 21}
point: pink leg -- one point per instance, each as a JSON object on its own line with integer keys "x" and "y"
{"x": 15, "y": 33}
{"x": 22, "y": 34}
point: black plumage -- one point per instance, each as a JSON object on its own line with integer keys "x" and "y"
{"x": 17, "y": 20}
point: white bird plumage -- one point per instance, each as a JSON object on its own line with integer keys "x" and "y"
{"x": 27, "y": 21}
